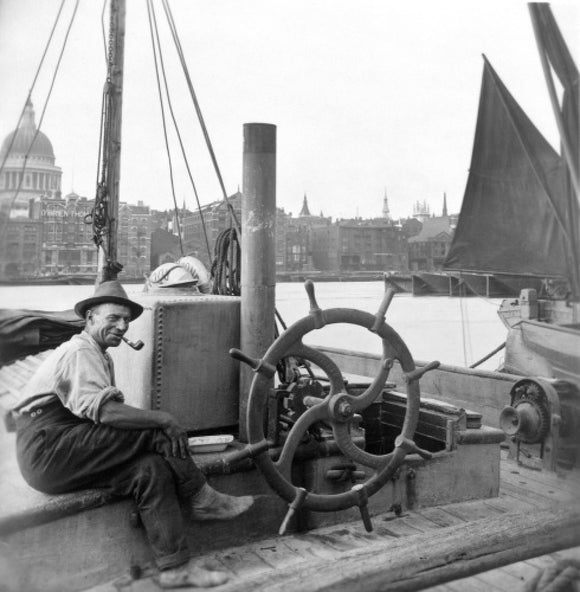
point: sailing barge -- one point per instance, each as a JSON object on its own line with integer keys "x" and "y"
{"x": 373, "y": 472}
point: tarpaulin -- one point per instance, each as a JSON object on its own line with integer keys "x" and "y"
{"x": 26, "y": 332}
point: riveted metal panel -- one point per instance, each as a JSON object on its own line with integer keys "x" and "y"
{"x": 184, "y": 367}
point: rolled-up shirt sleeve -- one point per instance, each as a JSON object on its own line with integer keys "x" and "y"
{"x": 84, "y": 383}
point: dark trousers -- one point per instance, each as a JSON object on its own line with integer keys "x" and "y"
{"x": 58, "y": 452}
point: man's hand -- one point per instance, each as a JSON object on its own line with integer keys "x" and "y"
{"x": 120, "y": 415}
{"x": 176, "y": 434}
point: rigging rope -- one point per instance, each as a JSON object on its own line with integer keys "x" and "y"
{"x": 12, "y": 140}
{"x": 226, "y": 265}
{"x": 41, "y": 119}
{"x": 489, "y": 355}
{"x": 178, "y": 134}
{"x": 99, "y": 215}
{"x": 179, "y": 49}
{"x": 103, "y": 28}
{"x": 225, "y": 268}
{"x": 156, "y": 51}
{"x": 464, "y": 327}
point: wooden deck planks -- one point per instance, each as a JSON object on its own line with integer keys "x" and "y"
{"x": 306, "y": 561}
{"x": 500, "y": 579}
{"x": 277, "y": 555}
{"x": 537, "y": 482}
{"x": 523, "y": 570}
{"x": 418, "y": 522}
{"x": 573, "y": 554}
{"x": 510, "y": 503}
{"x": 509, "y": 578}
{"x": 474, "y": 510}
{"x": 439, "y": 516}
{"x": 535, "y": 496}
{"x": 565, "y": 482}
{"x": 302, "y": 551}
{"x": 473, "y": 584}
{"x": 309, "y": 548}
{"x": 242, "y": 562}
{"x": 395, "y": 527}
{"x": 412, "y": 562}
{"x": 339, "y": 540}
{"x": 514, "y": 574}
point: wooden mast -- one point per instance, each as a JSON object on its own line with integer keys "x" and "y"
{"x": 108, "y": 266}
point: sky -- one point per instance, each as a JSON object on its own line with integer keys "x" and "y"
{"x": 369, "y": 96}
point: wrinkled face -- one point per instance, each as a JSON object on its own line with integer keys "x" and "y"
{"x": 107, "y": 323}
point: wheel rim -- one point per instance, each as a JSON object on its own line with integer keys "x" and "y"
{"x": 290, "y": 343}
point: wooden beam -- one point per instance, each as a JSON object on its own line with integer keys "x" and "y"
{"x": 429, "y": 559}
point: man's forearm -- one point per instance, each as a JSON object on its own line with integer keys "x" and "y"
{"x": 124, "y": 416}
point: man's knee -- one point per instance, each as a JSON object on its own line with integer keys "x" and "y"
{"x": 152, "y": 473}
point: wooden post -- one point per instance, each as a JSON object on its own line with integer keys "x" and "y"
{"x": 258, "y": 274}
{"x": 107, "y": 266}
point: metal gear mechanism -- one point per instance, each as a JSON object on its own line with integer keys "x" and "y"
{"x": 528, "y": 417}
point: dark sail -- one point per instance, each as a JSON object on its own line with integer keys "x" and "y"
{"x": 514, "y": 210}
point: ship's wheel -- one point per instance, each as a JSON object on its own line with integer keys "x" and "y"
{"x": 336, "y": 409}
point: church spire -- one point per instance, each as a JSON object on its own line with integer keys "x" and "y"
{"x": 445, "y": 204}
{"x": 386, "y": 211}
{"x": 28, "y": 121}
{"x": 305, "y": 211}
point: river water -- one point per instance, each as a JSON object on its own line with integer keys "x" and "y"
{"x": 456, "y": 331}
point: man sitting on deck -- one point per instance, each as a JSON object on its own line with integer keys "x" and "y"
{"x": 75, "y": 432}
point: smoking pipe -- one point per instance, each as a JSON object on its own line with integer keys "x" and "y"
{"x": 136, "y": 345}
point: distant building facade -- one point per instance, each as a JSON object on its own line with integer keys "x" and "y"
{"x": 20, "y": 245}
{"x": 200, "y": 229}
{"x": 164, "y": 247}
{"x": 29, "y": 173}
{"x": 429, "y": 248}
{"x": 67, "y": 238}
{"x": 299, "y": 236}
{"x": 134, "y": 239}
{"x": 421, "y": 210}
{"x": 44, "y": 233}
{"x": 359, "y": 245}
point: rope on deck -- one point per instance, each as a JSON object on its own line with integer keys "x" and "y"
{"x": 563, "y": 576}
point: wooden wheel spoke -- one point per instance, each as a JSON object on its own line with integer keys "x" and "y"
{"x": 314, "y": 414}
{"x": 350, "y": 449}
{"x": 372, "y": 392}
{"x": 338, "y": 408}
{"x": 329, "y": 367}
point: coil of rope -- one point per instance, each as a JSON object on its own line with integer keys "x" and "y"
{"x": 226, "y": 266}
